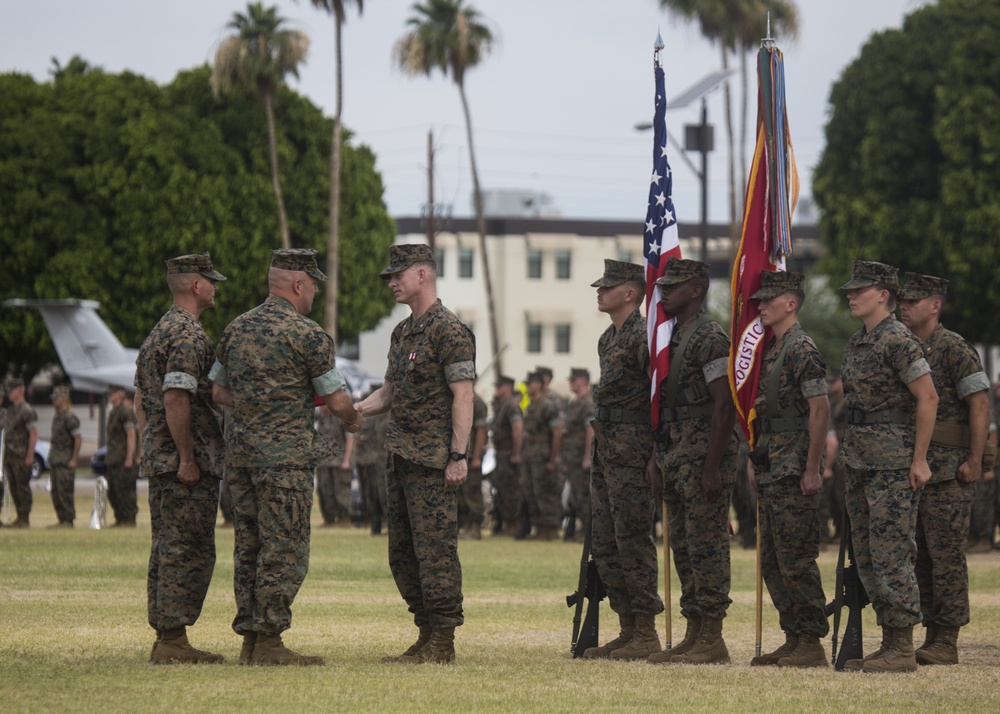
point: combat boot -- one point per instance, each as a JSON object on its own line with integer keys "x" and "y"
{"x": 930, "y": 634}
{"x": 855, "y": 665}
{"x": 246, "y": 651}
{"x": 645, "y": 641}
{"x": 943, "y": 650}
{"x": 422, "y": 639}
{"x": 710, "y": 648}
{"x": 440, "y": 649}
{"x": 898, "y": 657}
{"x": 546, "y": 533}
{"x": 155, "y": 643}
{"x": 270, "y": 651}
{"x": 21, "y": 522}
{"x": 173, "y": 648}
{"x": 764, "y": 660}
{"x": 808, "y": 653}
{"x": 472, "y": 532}
{"x": 627, "y": 625}
{"x": 690, "y": 637}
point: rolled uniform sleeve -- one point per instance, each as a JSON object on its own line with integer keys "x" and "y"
{"x": 218, "y": 375}
{"x": 329, "y": 383}
{"x": 977, "y": 382}
{"x": 914, "y": 371}
{"x": 715, "y": 369}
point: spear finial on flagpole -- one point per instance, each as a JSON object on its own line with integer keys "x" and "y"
{"x": 768, "y": 43}
{"x": 657, "y": 46}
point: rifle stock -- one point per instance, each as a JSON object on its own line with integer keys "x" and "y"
{"x": 850, "y": 593}
{"x": 591, "y": 588}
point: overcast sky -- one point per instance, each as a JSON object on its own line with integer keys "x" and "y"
{"x": 553, "y": 110}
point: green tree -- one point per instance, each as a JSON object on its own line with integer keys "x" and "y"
{"x": 911, "y": 171}
{"x": 452, "y": 37}
{"x": 256, "y": 60}
{"x": 337, "y": 8}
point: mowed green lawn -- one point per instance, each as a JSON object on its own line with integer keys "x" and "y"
{"x": 74, "y": 638}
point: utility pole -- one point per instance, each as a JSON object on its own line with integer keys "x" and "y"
{"x": 431, "y": 227}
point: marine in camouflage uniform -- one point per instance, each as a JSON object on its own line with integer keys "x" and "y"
{"x": 792, "y": 418}
{"x": 697, "y": 462}
{"x": 833, "y": 508}
{"x": 508, "y": 443}
{"x": 956, "y": 464}
{"x": 541, "y": 480}
{"x": 429, "y": 392}
{"x": 182, "y": 458}
{"x": 333, "y": 477}
{"x": 63, "y": 453}
{"x": 121, "y": 458}
{"x": 470, "y": 494}
{"x": 271, "y": 364}
{"x": 370, "y": 458}
{"x": 891, "y": 403}
{"x": 621, "y": 504}
{"x": 20, "y": 435}
{"x": 577, "y": 444}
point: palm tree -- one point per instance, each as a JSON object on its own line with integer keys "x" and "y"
{"x": 337, "y": 8}
{"x": 256, "y": 60}
{"x": 450, "y": 36}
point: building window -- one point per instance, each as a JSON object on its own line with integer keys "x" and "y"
{"x": 534, "y": 337}
{"x": 465, "y": 262}
{"x": 534, "y": 263}
{"x": 625, "y": 256}
{"x": 563, "y": 333}
{"x": 439, "y": 257}
{"x": 563, "y": 264}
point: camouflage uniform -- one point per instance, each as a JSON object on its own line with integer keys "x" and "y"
{"x": 121, "y": 480}
{"x": 177, "y": 354}
{"x": 699, "y": 528}
{"x": 20, "y": 420}
{"x": 945, "y": 502}
{"x": 878, "y": 366}
{"x": 426, "y": 354}
{"x": 505, "y": 476}
{"x": 579, "y": 415}
{"x": 789, "y": 521}
{"x": 65, "y": 430}
{"x": 470, "y": 493}
{"x": 833, "y": 507}
{"x": 621, "y": 502}
{"x": 540, "y": 488}
{"x": 370, "y": 457}
{"x": 274, "y": 361}
{"x": 333, "y": 484}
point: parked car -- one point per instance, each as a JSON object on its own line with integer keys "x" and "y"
{"x": 41, "y": 461}
{"x": 97, "y": 464}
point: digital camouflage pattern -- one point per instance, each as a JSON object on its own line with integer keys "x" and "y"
{"x": 470, "y": 502}
{"x": 803, "y": 376}
{"x": 426, "y": 354}
{"x": 333, "y": 484}
{"x": 621, "y": 502}
{"x": 20, "y": 420}
{"x": 65, "y": 429}
{"x": 699, "y": 528}
{"x": 121, "y": 480}
{"x": 877, "y": 367}
{"x": 121, "y": 420}
{"x": 541, "y": 488}
{"x": 505, "y": 476}
{"x": 579, "y": 414}
{"x": 275, "y": 361}
{"x": 178, "y": 354}
{"x": 945, "y": 506}
{"x": 541, "y": 418}
{"x": 370, "y": 458}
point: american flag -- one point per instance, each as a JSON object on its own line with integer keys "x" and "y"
{"x": 660, "y": 241}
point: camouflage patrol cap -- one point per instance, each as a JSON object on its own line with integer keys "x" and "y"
{"x": 680, "y": 270}
{"x": 200, "y": 263}
{"x": 544, "y": 371}
{"x": 402, "y": 257}
{"x": 61, "y": 391}
{"x": 576, "y": 372}
{"x": 13, "y": 383}
{"x": 298, "y": 259}
{"x": 504, "y": 381}
{"x": 917, "y": 287}
{"x": 534, "y": 377}
{"x": 616, "y": 272}
{"x": 112, "y": 388}
{"x": 867, "y": 273}
{"x": 778, "y": 282}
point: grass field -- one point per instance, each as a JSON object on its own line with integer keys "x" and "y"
{"x": 74, "y": 638}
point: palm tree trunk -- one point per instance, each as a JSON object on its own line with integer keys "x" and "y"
{"x": 273, "y": 143}
{"x": 481, "y": 222}
{"x": 731, "y": 142}
{"x": 333, "y": 241}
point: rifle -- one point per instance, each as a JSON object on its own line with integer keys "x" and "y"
{"x": 849, "y": 592}
{"x": 591, "y": 588}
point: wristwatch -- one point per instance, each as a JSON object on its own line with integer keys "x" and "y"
{"x": 456, "y": 456}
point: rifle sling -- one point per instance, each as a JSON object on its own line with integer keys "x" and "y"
{"x": 791, "y": 421}
{"x": 677, "y": 358}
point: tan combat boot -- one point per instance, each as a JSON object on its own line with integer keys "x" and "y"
{"x": 440, "y": 649}
{"x": 21, "y": 522}
{"x": 173, "y": 648}
{"x": 422, "y": 639}
{"x": 645, "y": 641}
{"x": 944, "y": 648}
{"x": 930, "y": 634}
{"x": 270, "y": 651}
{"x": 546, "y": 533}
{"x": 246, "y": 651}
{"x": 627, "y": 625}
{"x": 690, "y": 637}
{"x": 855, "y": 665}
{"x": 898, "y": 657}
{"x": 710, "y": 647}
{"x": 764, "y": 660}
{"x": 808, "y": 653}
